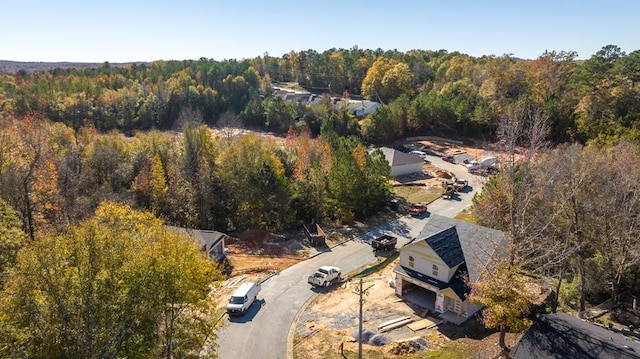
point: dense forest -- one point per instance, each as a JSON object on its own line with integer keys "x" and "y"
{"x": 83, "y": 149}
{"x": 423, "y": 91}
{"x": 72, "y": 138}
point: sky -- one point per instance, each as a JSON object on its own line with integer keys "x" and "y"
{"x": 146, "y": 30}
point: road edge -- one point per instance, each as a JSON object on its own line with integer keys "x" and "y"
{"x": 293, "y": 326}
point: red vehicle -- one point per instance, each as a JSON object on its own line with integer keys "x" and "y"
{"x": 418, "y": 209}
{"x": 448, "y": 159}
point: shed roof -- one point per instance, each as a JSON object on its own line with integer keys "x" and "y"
{"x": 206, "y": 239}
{"x": 566, "y": 336}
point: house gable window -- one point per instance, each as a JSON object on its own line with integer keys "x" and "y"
{"x": 434, "y": 270}
{"x": 411, "y": 261}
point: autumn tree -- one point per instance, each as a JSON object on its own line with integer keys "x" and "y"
{"x": 254, "y": 178}
{"x": 25, "y": 147}
{"x": 510, "y": 204}
{"x": 12, "y": 238}
{"x": 505, "y": 293}
{"x": 313, "y": 159}
{"x": 119, "y": 284}
{"x": 196, "y": 184}
{"x": 386, "y": 79}
{"x": 617, "y": 214}
{"x": 567, "y": 178}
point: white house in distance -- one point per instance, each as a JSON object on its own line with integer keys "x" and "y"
{"x": 361, "y": 108}
{"x": 436, "y": 267}
{"x": 402, "y": 163}
{"x": 210, "y": 242}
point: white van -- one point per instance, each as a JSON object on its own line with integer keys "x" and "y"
{"x": 419, "y": 153}
{"x": 242, "y": 298}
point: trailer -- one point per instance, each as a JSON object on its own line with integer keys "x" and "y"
{"x": 384, "y": 243}
{"x": 315, "y": 234}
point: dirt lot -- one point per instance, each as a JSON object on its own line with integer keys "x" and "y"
{"x": 331, "y": 318}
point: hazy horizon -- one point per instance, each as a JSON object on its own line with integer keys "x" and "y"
{"x": 137, "y": 31}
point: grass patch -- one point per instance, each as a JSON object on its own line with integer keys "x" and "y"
{"x": 368, "y": 271}
{"x": 454, "y": 350}
{"x": 415, "y": 194}
{"x": 466, "y": 216}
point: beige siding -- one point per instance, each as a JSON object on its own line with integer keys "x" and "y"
{"x": 424, "y": 259}
{"x": 401, "y": 170}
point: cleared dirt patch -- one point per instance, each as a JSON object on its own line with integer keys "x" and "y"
{"x": 331, "y": 319}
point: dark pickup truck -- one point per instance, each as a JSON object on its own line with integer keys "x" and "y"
{"x": 384, "y": 243}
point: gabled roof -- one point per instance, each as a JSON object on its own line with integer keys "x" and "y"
{"x": 397, "y": 158}
{"x": 362, "y": 105}
{"x": 447, "y": 246}
{"x": 566, "y": 336}
{"x": 206, "y": 239}
{"x": 479, "y": 245}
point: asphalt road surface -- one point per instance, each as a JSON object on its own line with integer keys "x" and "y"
{"x": 263, "y": 332}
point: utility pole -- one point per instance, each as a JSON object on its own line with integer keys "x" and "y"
{"x": 360, "y": 324}
{"x": 360, "y": 292}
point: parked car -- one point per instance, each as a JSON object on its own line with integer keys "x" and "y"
{"x": 402, "y": 148}
{"x": 324, "y": 276}
{"x": 461, "y": 184}
{"x": 449, "y": 159}
{"x": 473, "y": 165}
{"x": 418, "y": 209}
{"x": 419, "y": 153}
{"x": 242, "y": 298}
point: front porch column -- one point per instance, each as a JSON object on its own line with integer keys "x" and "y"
{"x": 440, "y": 308}
{"x": 399, "y": 285}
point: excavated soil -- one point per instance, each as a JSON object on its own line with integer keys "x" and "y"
{"x": 331, "y": 319}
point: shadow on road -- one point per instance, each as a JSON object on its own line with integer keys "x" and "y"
{"x": 385, "y": 253}
{"x": 321, "y": 290}
{"x": 249, "y": 314}
{"x": 421, "y": 216}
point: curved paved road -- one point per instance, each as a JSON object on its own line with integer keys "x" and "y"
{"x": 263, "y": 331}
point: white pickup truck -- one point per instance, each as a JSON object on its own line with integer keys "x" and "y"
{"x": 324, "y": 276}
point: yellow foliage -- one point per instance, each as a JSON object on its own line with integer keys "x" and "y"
{"x": 504, "y": 293}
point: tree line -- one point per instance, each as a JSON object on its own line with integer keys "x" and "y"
{"x": 52, "y": 176}
{"x": 88, "y": 267}
{"x": 570, "y": 214}
{"x": 421, "y": 90}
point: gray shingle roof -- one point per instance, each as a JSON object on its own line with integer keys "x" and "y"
{"x": 479, "y": 244}
{"x": 566, "y": 336}
{"x": 206, "y": 239}
{"x": 397, "y": 158}
{"x": 447, "y": 246}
